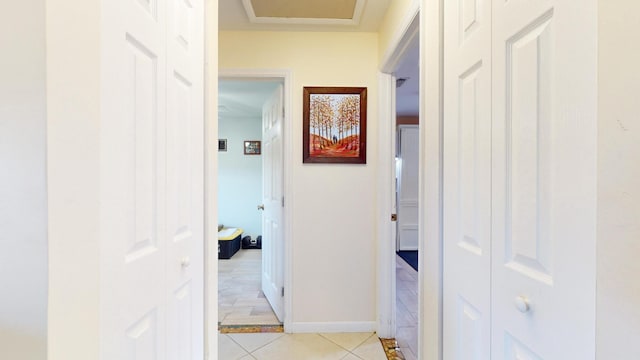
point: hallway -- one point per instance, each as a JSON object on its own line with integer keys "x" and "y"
{"x": 406, "y": 309}
{"x": 240, "y": 298}
{"x": 278, "y": 346}
{"x": 240, "y": 303}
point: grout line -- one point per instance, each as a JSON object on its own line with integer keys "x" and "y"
{"x": 241, "y": 347}
{"x": 350, "y": 351}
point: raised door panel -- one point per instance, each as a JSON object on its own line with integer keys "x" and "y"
{"x": 142, "y": 339}
{"x": 543, "y": 180}
{"x": 467, "y": 246}
{"x": 132, "y": 147}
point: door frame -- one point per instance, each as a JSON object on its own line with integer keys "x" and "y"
{"x": 211, "y": 187}
{"x": 430, "y": 14}
{"x": 431, "y": 179}
{"x": 408, "y": 30}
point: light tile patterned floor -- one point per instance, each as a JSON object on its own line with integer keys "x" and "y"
{"x": 406, "y": 309}
{"x": 277, "y": 346}
{"x": 240, "y": 300}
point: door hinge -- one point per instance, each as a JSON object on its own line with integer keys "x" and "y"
{"x": 282, "y": 291}
{"x": 283, "y": 201}
{"x": 394, "y": 217}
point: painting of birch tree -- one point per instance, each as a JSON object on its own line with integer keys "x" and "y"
{"x": 334, "y": 124}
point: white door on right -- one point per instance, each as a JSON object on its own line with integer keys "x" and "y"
{"x": 273, "y": 200}
{"x": 543, "y": 179}
{"x": 467, "y": 247}
{"x": 409, "y": 145}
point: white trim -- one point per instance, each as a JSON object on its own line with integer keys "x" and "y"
{"x": 355, "y": 21}
{"x": 386, "y": 267}
{"x": 430, "y": 162}
{"x": 407, "y": 30}
{"x": 334, "y": 327}
{"x": 211, "y": 179}
{"x": 285, "y": 75}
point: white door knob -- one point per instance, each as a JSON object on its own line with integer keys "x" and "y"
{"x": 522, "y": 304}
{"x": 185, "y": 262}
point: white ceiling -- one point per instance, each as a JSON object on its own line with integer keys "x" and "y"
{"x": 241, "y": 98}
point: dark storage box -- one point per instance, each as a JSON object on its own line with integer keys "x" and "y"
{"x": 228, "y": 246}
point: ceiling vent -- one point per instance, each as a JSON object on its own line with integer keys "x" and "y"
{"x": 400, "y": 82}
{"x": 305, "y": 12}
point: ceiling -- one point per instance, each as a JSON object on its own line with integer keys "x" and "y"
{"x": 239, "y": 99}
{"x": 408, "y": 95}
{"x": 242, "y": 98}
{"x": 301, "y": 15}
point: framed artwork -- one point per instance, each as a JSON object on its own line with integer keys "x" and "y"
{"x": 222, "y": 144}
{"x": 334, "y": 125}
{"x": 252, "y": 147}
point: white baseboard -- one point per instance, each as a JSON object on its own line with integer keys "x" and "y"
{"x": 332, "y": 327}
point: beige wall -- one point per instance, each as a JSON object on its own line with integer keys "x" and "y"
{"x": 333, "y": 240}
{"x": 73, "y": 129}
{"x": 23, "y": 203}
{"x": 391, "y": 27}
{"x": 618, "y": 251}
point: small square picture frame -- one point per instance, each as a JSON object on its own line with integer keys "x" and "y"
{"x": 222, "y": 144}
{"x": 252, "y": 147}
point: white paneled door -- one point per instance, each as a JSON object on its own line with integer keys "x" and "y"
{"x": 519, "y": 179}
{"x": 273, "y": 197}
{"x": 407, "y": 180}
{"x": 151, "y": 164}
{"x": 543, "y": 221}
{"x": 467, "y": 180}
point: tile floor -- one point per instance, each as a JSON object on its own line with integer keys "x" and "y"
{"x": 406, "y": 309}
{"x": 278, "y": 346}
{"x": 240, "y": 300}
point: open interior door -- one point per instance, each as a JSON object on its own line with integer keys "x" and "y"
{"x": 407, "y": 180}
{"x": 273, "y": 202}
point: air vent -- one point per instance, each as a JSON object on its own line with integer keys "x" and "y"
{"x": 400, "y": 82}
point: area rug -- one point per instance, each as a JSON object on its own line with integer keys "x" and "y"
{"x": 410, "y": 257}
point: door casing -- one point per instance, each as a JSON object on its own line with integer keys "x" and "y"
{"x": 430, "y": 28}
{"x": 211, "y": 283}
{"x": 386, "y": 233}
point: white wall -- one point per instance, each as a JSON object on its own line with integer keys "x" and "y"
{"x": 240, "y": 176}
{"x": 23, "y": 213}
{"x": 333, "y": 239}
{"x": 618, "y": 249}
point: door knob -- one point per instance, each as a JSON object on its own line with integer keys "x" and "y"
{"x": 522, "y": 304}
{"x": 261, "y": 207}
{"x": 185, "y": 262}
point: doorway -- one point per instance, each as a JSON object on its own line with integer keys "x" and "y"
{"x": 244, "y": 200}
{"x": 407, "y": 170}
{"x": 241, "y": 301}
